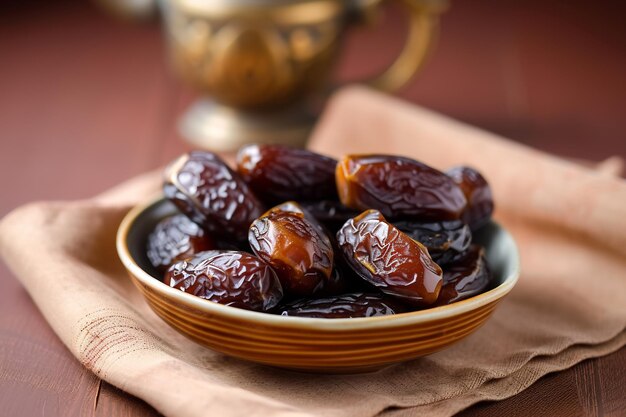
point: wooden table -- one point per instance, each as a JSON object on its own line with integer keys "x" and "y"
{"x": 86, "y": 102}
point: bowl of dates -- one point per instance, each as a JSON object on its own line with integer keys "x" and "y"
{"x": 301, "y": 261}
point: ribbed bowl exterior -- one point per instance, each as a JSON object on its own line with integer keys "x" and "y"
{"x": 314, "y": 345}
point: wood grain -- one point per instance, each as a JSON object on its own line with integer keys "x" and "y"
{"x": 87, "y": 101}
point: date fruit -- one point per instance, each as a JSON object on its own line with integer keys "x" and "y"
{"x": 465, "y": 279}
{"x": 331, "y": 213}
{"x": 296, "y": 246}
{"x": 478, "y": 194}
{"x": 398, "y": 187}
{"x": 389, "y": 259}
{"x": 367, "y": 236}
{"x": 444, "y": 240}
{"x": 176, "y": 238}
{"x": 236, "y": 279}
{"x": 204, "y": 188}
{"x": 344, "y": 306}
{"x": 280, "y": 173}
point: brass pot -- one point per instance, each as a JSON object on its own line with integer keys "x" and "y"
{"x": 263, "y": 62}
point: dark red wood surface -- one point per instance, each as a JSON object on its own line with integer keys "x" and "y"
{"x": 87, "y": 101}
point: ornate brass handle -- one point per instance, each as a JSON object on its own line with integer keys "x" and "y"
{"x": 423, "y": 26}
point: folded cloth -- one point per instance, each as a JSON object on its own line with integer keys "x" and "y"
{"x": 569, "y": 305}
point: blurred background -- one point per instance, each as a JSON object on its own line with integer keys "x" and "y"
{"x": 88, "y": 100}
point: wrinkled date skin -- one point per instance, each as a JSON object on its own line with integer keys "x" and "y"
{"x": 465, "y": 279}
{"x": 398, "y": 187}
{"x": 176, "y": 238}
{"x": 478, "y": 194}
{"x": 390, "y": 260}
{"x": 444, "y": 240}
{"x": 295, "y": 246}
{"x": 236, "y": 279}
{"x": 204, "y": 188}
{"x": 344, "y": 306}
{"x": 280, "y": 173}
{"x": 331, "y": 213}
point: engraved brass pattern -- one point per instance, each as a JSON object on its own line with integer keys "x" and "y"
{"x": 260, "y": 55}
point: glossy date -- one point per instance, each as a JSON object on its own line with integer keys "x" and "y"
{"x": 445, "y": 241}
{"x": 390, "y": 260}
{"x": 477, "y": 193}
{"x": 296, "y": 247}
{"x": 280, "y": 173}
{"x": 367, "y": 236}
{"x": 176, "y": 238}
{"x": 236, "y": 279}
{"x": 204, "y": 188}
{"x": 466, "y": 278}
{"x": 344, "y": 306}
{"x": 398, "y": 187}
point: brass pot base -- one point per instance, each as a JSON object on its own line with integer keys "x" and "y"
{"x": 211, "y": 126}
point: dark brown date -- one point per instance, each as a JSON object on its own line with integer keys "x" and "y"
{"x": 390, "y": 260}
{"x": 478, "y": 194}
{"x": 204, "y": 188}
{"x": 345, "y": 306}
{"x": 296, "y": 246}
{"x": 465, "y": 279}
{"x": 342, "y": 280}
{"x": 444, "y": 240}
{"x": 398, "y": 187}
{"x": 279, "y": 173}
{"x": 331, "y": 213}
{"x": 176, "y": 238}
{"x": 236, "y": 279}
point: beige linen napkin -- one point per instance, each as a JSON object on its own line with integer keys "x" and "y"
{"x": 569, "y": 305}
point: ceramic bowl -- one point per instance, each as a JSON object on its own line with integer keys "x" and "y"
{"x": 312, "y": 344}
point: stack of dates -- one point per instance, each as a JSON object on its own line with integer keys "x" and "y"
{"x": 295, "y": 233}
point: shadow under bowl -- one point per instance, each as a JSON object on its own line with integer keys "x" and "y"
{"x": 313, "y": 344}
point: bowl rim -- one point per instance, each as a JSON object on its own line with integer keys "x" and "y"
{"x": 357, "y": 323}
